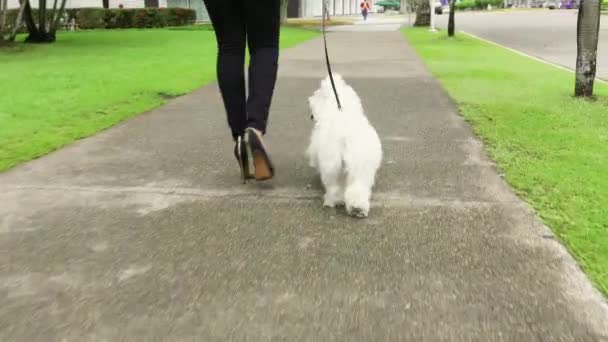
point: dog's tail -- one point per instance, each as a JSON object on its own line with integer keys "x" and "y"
{"x": 331, "y": 76}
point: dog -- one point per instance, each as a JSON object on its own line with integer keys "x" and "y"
{"x": 344, "y": 147}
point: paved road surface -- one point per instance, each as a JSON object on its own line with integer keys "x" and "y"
{"x": 144, "y": 233}
{"x": 550, "y": 35}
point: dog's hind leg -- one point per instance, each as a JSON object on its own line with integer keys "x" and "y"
{"x": 331, "y": 172}
{"x": 358, "y": 193}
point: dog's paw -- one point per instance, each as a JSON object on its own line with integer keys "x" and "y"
{"x": 331, "y": 201}
{"x": 357, "y": 212}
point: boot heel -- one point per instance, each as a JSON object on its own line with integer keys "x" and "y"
{"x": 240, "y": 152}
{"x": 263, "y": 168}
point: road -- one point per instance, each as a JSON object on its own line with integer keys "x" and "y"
{"x": 550, "y": 35}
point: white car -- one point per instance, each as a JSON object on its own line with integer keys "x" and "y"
{"x": 552, "y": 4}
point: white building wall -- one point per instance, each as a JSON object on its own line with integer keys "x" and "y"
{"x": 91, "y": 3}
{"x": 314, "y": 8}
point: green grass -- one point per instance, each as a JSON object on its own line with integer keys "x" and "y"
{"x": 90, "y": 80}
{"x": 552, "y": 148}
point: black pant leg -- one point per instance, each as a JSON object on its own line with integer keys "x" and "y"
{"x": 263, "y": 27}
{"x": 228, "y": 20}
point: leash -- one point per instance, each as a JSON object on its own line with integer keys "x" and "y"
{"x": 331, "y": 76}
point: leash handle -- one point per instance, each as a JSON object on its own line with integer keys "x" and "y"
{"x": 331, "y": 76}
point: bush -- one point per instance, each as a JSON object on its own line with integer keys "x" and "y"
{"x": 465, "y": 4}
{"x": 478, "y": 4}
{"x": 180, "y": 16}
{"x": 147, "y": 18}
{"x": 116, "y": 18}
{"x": 605, "y": 5}
{"x": 91, "y": 18}
{"x": 119, "y": 18}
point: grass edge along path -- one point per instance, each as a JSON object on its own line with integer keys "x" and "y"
{"x": 89, "y": 81}
{"x": 550, "y": 146}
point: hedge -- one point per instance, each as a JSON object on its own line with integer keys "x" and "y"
{"x": 95, "y": 18}
{"x": 113, "y": 18}
{"x": 478, "y": 4}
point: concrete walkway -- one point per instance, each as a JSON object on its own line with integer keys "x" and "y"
{"x": 143, "y": 232}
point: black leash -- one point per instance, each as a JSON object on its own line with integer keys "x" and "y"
{"x": 331, "y": 76}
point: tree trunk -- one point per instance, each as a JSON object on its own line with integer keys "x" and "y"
{"x": 18, "y": 21}
{"x": 29, "y": 18}
{"x": 587, "y": 34}
{"x": 423, "y": 14}
{"x": 56, "y": 18}
{"x": 451, "y": 22}
{"x": 105, "y": 3}
{"x": 3, "y": 14}
{"x": 52, "y": 16}
{"x": 42, "y": 15}
{"x": 42, "y": 33}
{"x": 284, "y": 4}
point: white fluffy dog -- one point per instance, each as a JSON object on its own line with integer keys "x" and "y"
{"x": 344, "y": 147}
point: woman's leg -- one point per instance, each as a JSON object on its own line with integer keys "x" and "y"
{"x": 263, "y": 25}
{"x": 228, "y": 20}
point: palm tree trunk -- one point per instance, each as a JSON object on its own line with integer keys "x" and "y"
{"x": 587, "y": 34}
{"x": 451, "y": 22}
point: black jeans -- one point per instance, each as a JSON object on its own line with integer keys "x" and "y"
{"x": 257, "y": 24}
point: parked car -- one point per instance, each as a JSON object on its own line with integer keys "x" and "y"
{"x": 441, "y": 7}
{"x": 552, "y": 4}
{"x": 537, "y": 4}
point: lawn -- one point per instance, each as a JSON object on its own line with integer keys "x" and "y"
{"x": 90, "y": 80}
{"x": 552, "y": 148}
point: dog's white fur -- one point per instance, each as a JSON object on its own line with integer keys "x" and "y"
{"x": 344, "y": 147}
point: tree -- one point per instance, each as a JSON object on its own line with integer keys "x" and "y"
{"x": 587, "y": 34}
{"x": 48, "y": 23}
{"x": 451, "y": 23}
{"x": 3, "y": 19}
{"x": 9, "y": 26}
{"x": 284, "y": 4}
{"x": 423, "y": 13}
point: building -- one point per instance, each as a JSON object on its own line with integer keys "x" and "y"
{"x": 197, "y": 5}
{"x": 314, "y": 8}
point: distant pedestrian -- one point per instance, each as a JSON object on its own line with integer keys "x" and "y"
{"x": 364, "y": 9}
